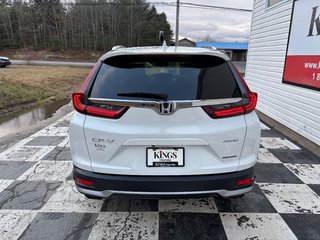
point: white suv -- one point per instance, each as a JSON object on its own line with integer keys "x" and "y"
{"x": 164, "y": 121}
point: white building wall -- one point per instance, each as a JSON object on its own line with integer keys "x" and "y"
{"x": 295, "y": 107}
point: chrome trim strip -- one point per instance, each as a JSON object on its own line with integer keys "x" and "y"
{"x": 155, "y": 104}
{"x": 221, "y": 192}
{"x": 125, "y": 103}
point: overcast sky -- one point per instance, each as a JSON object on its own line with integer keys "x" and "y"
{"x": 221, "y": 25}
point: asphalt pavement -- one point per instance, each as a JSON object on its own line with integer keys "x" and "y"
{"x": 38, "y": 199}
{"x": 52, "y": 63}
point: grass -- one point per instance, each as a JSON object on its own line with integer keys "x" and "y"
{"x": 17, "y": 93}
{"x": 48, "y": 55}
{"x": 25, "y": 84}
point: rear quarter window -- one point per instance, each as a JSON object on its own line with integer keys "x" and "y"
{"x": 180, "y": 77}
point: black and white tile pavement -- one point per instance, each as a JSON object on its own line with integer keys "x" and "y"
{"x": 38, "y": 199}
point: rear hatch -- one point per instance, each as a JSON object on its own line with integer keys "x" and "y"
{"x": 165, "y": 115}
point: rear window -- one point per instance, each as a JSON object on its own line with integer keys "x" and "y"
{"x": 179, "y": 77}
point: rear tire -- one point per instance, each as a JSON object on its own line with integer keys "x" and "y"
{"x": 92, "y": 197}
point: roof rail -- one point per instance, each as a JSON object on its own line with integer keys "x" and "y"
{"x": 117, "y": 47}
{"x": 210, "y": 48}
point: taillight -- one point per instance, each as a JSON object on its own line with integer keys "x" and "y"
{"x": 107, "y": 111}
{"x": 248, "y": 105}
{"x": 111, "y": 112}
{"x": 251, "y": 105}
{"x": 229, "y": 110}
{"x": 77, "y": 102}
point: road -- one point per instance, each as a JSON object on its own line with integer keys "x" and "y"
{"x": 52, "y": 63}
{"x": 240, "y": 65}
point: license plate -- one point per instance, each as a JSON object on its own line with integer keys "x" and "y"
{"x": 165, "y": 157}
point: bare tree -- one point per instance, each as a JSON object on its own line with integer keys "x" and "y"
{"x": 81, "y": 25}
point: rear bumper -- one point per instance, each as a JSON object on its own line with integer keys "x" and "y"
{"x": 104, "y": 185}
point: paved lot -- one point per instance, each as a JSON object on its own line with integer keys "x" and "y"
{"x": 38, "y": 199}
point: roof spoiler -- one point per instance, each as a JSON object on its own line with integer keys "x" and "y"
{"x": 210, "y": 48}
{"x": 117, "y": 47}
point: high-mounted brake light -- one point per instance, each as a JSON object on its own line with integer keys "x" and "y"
{"x": 233, "y": 111}
{"x": 112, "y": 111}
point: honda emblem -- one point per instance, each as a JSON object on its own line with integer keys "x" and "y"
{"x": 166, "y": 108}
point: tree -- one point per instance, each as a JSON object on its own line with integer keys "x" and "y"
{"x": 80, "y": 25}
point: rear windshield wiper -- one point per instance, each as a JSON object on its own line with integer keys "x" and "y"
{"x": 161, "y": 96}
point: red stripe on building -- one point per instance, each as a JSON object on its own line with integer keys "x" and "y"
{"x": 303, "y": 70}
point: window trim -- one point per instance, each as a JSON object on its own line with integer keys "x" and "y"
{"x": 274, "y": 5}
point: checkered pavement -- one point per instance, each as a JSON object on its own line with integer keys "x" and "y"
{"x": 38, "y": 199}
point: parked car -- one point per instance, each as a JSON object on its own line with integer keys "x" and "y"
{"x": 162, "y": 121}
{"x": 4, "y": 61}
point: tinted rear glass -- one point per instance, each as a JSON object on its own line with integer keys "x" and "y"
{"x": 179, "y": 77}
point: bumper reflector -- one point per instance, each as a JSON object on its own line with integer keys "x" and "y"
{"x": 246, "y": 181}
{"x": 83, "y": 182}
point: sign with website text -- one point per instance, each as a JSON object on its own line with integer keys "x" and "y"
{"x": 303, "y": 56}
